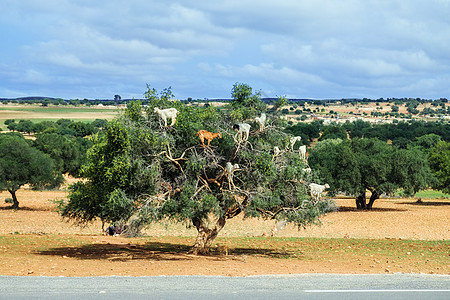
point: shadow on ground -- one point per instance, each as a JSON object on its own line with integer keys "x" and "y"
{"x": 374, "y": 209}
{"x": 152, "y": 251}
{"x": 25, "y": 208}
{"x": 427, "y": 203}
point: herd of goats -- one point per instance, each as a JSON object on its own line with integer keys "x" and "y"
{"x": 243, "y": 130}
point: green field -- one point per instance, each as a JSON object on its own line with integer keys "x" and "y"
{"x": 37, "y": 113}
{"x": 431, "y": 194}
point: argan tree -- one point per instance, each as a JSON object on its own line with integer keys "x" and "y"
{"x": 140, "y": 172}
{"x": 22, "y": 164}
{"x": 361, "y": 165}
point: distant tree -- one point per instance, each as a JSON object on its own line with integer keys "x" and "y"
{"x": 117, "y": 98}
{"x": 368, "y": 164}
{"x": 412, "y": 110}
{"x": 47, "y": 126}
{"x": 411, "y": 170}
{"x": 11, "y": 124}
{"x": 281, "y": 101}
{"x": 74, "y": 102}
{"x": 139, "y": 172}
{"x": 9, "y": 121}
{"x": 21, "y": 164}
{"x": 427, "y": 142}
{"x": 245, "y": 104}
{"x": 25, "y": 126}
{"x": 68, "y": 152}
{"x": 439, "y": 158}
{"x": 308, "y": 131}
{"x": 99, "y": 123}
{"x": 394, "y": 108}
{"x": 81, "y": 129}
{"x": 357, "y": 128}
{"x": 333, "y": 132}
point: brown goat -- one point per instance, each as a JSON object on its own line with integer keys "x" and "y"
{"x": 206, "y": 135}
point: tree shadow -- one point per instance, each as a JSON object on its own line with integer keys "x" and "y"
{"x": 269, "y": 253}
{"x": 155, "y": 251}
{"x": 427, "y": 203}
{"x": 122, "y": 252}
{"x": 374, "y": 209}
{"x": 26, "y": 208}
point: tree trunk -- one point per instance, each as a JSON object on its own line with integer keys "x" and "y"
{"x": 205, "y": 235}
{"x": 373, "y": 197}
{"x": 15, "y": 202}
{"x": 361, "y": 201}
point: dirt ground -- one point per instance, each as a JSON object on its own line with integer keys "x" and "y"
{"x": 394, "y": 237}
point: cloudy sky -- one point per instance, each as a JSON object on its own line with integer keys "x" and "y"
{"x": 295, "y": 48}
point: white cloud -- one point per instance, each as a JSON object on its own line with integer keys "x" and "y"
{"x": 318, "y": 48}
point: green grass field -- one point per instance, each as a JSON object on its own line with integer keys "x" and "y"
{"x": 428, "y": 194}
{"x": 37, "y": 113}
{"x": 431, "y": 194}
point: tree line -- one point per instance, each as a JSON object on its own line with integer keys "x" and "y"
{"x": 61, "y": 127}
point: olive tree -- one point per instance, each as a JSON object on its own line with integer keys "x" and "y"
{"x": 140, "y": 172}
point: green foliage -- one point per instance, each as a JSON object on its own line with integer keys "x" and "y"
{"x": 245, "y": 104}
{"x": 140, "y": 172}
{"x": 162, "y": 101}
{"x": 439, "y": 158}
{"x": 308, "y": 131}
{"x": 281, "y": 101}
{"x": 432, "y": 194}
{"x": 408, "y": 132}
{"x": 62, "y": 127}
{"x": 426, "y": 142}
{"x": 411, "y": 169}
{"x": 333, "y": 132}
{"x": 369, "y": 164}
{"x": 22, "y": 164}
{"x": 134, "y": 111}
{"x": 68, "y": 153}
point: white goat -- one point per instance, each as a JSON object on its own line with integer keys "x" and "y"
{"x": 317, "y": 190}
{"x": 294, "y": 140}
{"x": 302, "y": 150}
{"x": 168, "y": 113}
{"x": 275, "y": 152}
{"x": 230, "y": 169}
{"x": 243, "y": 130}
{"x": 261, "y": 121}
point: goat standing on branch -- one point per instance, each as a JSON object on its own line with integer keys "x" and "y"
{"x": 317, "y": 190}
{"x": 207, "y": 135}
{"x": 261, "y": 121}
{"x": 294, "y": 140}
{"x": 302, "y": 150}
{"x": 168, "y": 113}
{"x": 243, "y": 130}
{"x": 230, "y": 169}
{"x": 275, "y": 152}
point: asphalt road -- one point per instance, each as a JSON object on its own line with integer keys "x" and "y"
{"x": 301, "y": 286}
